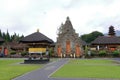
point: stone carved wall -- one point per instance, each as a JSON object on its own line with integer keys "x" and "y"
{"x": 68, "y": 41}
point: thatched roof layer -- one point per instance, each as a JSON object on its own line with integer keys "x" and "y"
{"x": 106, "y": 40}
{"x": 36, "y": 37}
{"x": 83, "y": 42}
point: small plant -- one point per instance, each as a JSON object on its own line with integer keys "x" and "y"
{"x": 12, "y": 52}
{"x": 24, "y": 53}
{"x": 93, "y": 53}
{"x": 51, "y": 52}
{"x": 115, "y": 53}
{"x": 102, "y": 53}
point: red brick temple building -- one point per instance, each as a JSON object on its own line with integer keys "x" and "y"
{"x": 68, "y": 42}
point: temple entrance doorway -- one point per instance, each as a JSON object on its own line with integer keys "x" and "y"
{"x": 68, "y": 48}
{"x": 59, "y": 51}
{"x": 77, "y": 50}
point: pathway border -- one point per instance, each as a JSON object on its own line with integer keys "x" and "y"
{"x": 44, "y": 72}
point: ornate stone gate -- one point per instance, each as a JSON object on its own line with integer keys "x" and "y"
{"x": 68, "y": 42}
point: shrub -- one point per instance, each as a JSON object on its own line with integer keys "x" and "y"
{"x": 24, "y": 53}
{"x": 115, "y": 53}
{"x": 94, "y": 53}
{"x": 12, "y": 52}
{"x": 51, "y": 52}
{"x": 102, "y": 53}
{"x": 91, "y": 53}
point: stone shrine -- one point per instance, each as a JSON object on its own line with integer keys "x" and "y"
{"x": 68, "y": 42}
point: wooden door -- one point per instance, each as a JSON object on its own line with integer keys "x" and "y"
{"x": 68, "y": 48}
{"x": 77, "y": 50}
{"x": 59, "y": 50}
{"x": 5, "y": 51}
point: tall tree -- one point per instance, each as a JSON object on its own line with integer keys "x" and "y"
{"x": 111, "y": 31}
{"x": 3, "y": 36}
{"x": 21, "y": 36}
{"x": 91, "y": 36}
{"x": 7, "y": 37}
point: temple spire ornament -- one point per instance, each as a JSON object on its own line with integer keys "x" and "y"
{"x": 37, "y": 30}
{"x": 111, "y": 31}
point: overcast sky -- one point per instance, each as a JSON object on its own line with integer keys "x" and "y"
{"x": 26, "y": 16}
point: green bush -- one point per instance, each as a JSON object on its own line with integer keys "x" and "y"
{"x": 115, "y": 53}
{"x": 102, "y": 53}
{"x": 94, "y": 53}
{"x": 90, "y": 54}
{"x": 51, "y": 52}
{"x": 24, "y": 53}
{"x": 12, "y": 52}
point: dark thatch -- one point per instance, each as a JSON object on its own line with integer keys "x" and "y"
{"x": 15, "y": 45}
{"x": 106, "y": 40}
{"x": 1, "y": 40}
{"x": 36, "y": 37}
{"x": 83, "y": 42}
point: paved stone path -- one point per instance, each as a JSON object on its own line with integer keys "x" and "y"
{"x": 45, "y": 73}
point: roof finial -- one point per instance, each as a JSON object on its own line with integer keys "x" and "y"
{"x": 111, "y": 31}
{"x": 68, "y": 18}
{"x": 37, "y": 30}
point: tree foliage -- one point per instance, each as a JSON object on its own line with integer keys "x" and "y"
{"x": 91, "y": 36}
{"x": 9, "y": 38}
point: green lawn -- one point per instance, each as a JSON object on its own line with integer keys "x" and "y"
{"x": 89, "y": 68}
{"x": 10, "y": 68}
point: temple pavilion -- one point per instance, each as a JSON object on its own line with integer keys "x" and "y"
{"x": 37, "y": 42}
{"x": 110, "y": 42}
{"x": 68, "y": 42}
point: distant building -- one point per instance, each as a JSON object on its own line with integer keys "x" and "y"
{"x": 1, "y": 47}
{"x": 68, "y": 42}
{"x": 110, "y": 42}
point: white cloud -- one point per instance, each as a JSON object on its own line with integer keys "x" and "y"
{"x": 26, "y": 16}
